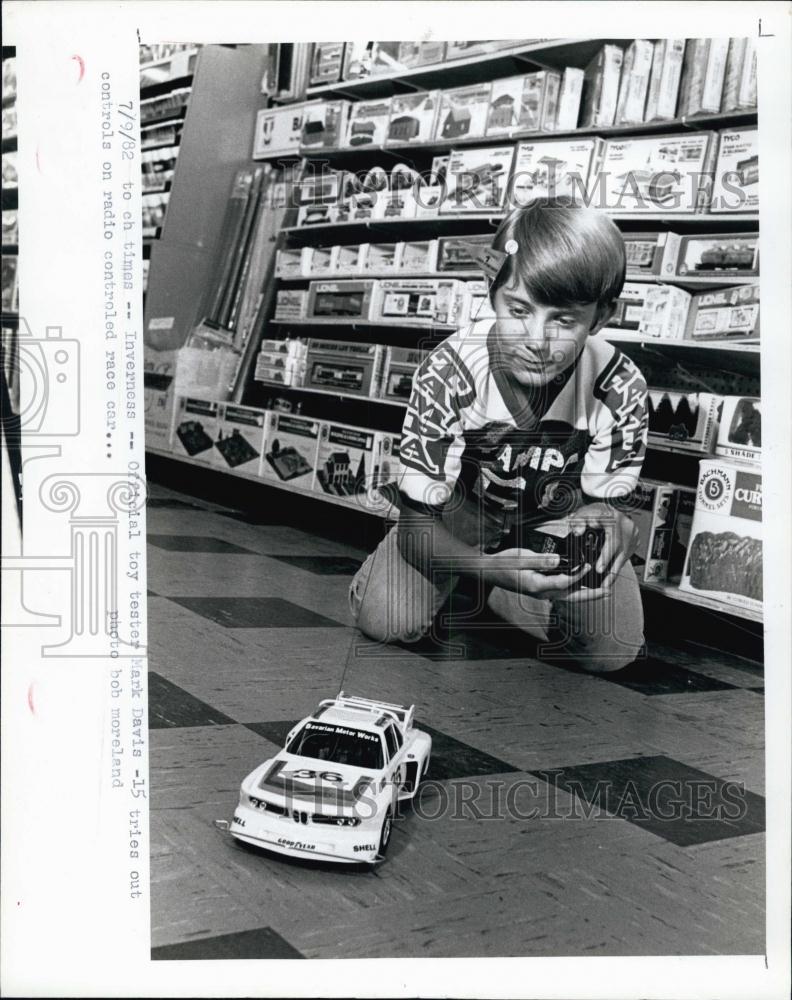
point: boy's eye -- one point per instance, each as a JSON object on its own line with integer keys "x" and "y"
{"x": 518, "y": 311}
{"x": 565, "y": 321}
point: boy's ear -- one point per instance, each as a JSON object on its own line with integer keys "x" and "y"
{"x": 604, "y": 318}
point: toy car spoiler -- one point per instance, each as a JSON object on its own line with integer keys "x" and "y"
{"x": 400, "y": 713}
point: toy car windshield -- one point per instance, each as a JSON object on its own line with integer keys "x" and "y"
{"x": 338, "y": 746}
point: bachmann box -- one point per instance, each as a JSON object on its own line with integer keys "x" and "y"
{"x": 401, "y": 364}
{"x": 683, "y": 421}
{"x": 290, "y": 454}
{"x": 524, "y": 103}
{"x": 668, "y": 173}
{"x": 351, "y": 368}
{"x": 342, "y": 299}
{"x": 669, "y": 534}
{"x": 651, "y": 253}
{"x": 724, "y": 560}
{"x": 724, "y": 312}
{"x": 740, "y": 428}
{"x": 413, "y": 117}
{"x": 463, "y": 112}
{"x": 552, "y": 167}
{"x": 240, "y": 440}
{"x": 420, "y": 301}
{"x": 368, "y": 123}
{"x": 196, "y": 424}
{"x": 736, "y": 185}
{"x": 717, "y": 255}
{"x": 345, "y": 461}
{"x": 477, "y": 179}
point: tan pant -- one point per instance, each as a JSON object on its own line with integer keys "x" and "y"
{"x": 392, "y": 601}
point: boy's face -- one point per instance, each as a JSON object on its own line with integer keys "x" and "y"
{"x": 538, "y": 342}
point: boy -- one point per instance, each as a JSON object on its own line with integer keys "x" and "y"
{"x": 514, "y": 422}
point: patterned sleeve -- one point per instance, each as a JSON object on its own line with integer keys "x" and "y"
{"x": 432, "y": 440}
{"x": 616, "y": 453}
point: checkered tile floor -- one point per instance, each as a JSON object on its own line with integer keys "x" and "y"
{"x": 250, "y": 628}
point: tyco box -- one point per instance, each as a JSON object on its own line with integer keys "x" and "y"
{"x": 290, "y": 455}
{"x": 717, "y": 255}
{"x": 477, "y": 179}
{"x": 736, "y": 185}
{"x": 401, "y": 364}
{"x": 342, "y": 299}
{"x": 240, "y": 439}
{"x": 724, "y": 560}
{"x": 740, "y": 428}
{"x": 349, "y": 367}
{"x": 345, "y": 461}
{"x": 413, "y": 117}
{"x": 196, "y": 425}
{"x": 667, "y": 173}
{"x": 552, "y": 167}
{"x": 724, "y": 312}
{"x": 683, "y": 421}
{"x": 429, "y": 301}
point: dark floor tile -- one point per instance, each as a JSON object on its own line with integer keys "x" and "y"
{"x": 322, "y": 565}
{"x": 652, "y": 675}
{"x": 255, "y": 612}
{"x": 450, "y": 757}
{"x": 197, "y": 543}
{"x": 479, "y": 641}
{"x": 678, "y": 803}
{"x": 172, "y": 707}
{"x": 261, "y": 943}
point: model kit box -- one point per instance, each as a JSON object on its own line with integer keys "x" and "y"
{"x": 634, "y": 88}
{"x": 477, "y": 305}
{"x": 290, "y": 454}
{"x": 629, "y": 306}
{"x": 326, "y": 63}
{"x": 664, "y": 173}
{"x": 477, "y": 179}
{"x": 724, "y": 312}
{"x": 281, "y": 362}
{"x": 368, "y": 123}
{"x": 321, "y": 187}
{"x": 345, "y": 461}
{"x": 293, "y": 263}
{"x": 241, "y": 437}
{"x": 400, "y": 367}
{"x": 413, "y": 54}
{"x": 703, "y": 73}
{"x": 291, "y": 303}
{"x": 661, "y": 102}
{"x": 683, "y": 421}
{"x": 569, "y": 99}
{"x": 740, "y": 429}
{"x": 348, "y": 260}
{"x": 350, "y": 368}
{"x": 418, "y": 257}
{"x": 739, "y": 87}
{"x": 413, "y": 117}
{"x": 665, "y": 312}
{"x": 736, "y": 184}
{"x": 324, "y": 124}
{"x": 342, "y": 299}
{"x": 317, "y": 215}
{"x": 278, "y": 131}
{"x": 380, "y": 257}
{"x": 463, "y": 112}
{"x": 651, "y": 253}
{"x": 322, "y": 261}
{"x": 718, "y": 255}
{"x": 523, "y": 103}
{"x": 398, "y": 201}
{"x": 601, "y": 87}
{"x": 196, "y": 424}
{"x": 669, "y": 534}
{"x": 454, "y": 252}
{"x": 724, "y": 560}
{"x": 429, "y": 301}
{"x": 553, "y": 167}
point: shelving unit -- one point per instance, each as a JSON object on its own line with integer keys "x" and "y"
{"x": 713, "y": 365}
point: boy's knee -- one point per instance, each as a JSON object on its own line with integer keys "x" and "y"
{"x": 375, "y": 622}
{"x": 616, "y": 658}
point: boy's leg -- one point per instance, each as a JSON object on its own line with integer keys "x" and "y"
{"x": 391, "y": 601}
{"x": 599, "y": 636}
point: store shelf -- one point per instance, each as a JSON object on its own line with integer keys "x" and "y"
{"x": 736, "y": 346}
{"x": 367, "y": 324}
{"x": 645, "y": 279}
{"x": 331, "y": 392}
{"x": 669, "y": 590}
{"x": 300, "y": 491}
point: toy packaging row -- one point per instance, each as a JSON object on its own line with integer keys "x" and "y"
{"x": 702, "y": 422}
{"x": 330, "y": 458}
{"x": 724, "y": 558}
{"x": 671, "y": 313}
{"x": 412, "y": 257}
{"x": 662, "y": 513}
{"x": 716, "y": 255}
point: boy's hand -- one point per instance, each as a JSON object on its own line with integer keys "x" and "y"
{"x": 526, "y": 572}
{"x": 621, "y": 537}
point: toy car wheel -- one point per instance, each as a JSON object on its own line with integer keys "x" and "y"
{"x": 385, "y": 835}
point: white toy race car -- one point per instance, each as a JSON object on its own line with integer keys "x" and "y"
{"x": 331, "y": 793}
